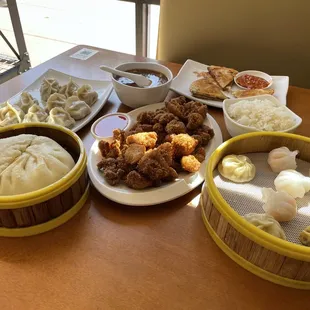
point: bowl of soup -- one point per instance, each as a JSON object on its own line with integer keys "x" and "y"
{"x": 134, "y": 96}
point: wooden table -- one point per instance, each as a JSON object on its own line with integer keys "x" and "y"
{"x": 111, "y": 256}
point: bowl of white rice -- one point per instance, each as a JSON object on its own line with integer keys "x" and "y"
{"x": 258, "y": 113}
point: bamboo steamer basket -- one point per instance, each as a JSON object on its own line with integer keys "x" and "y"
{"x": 268, "y": 257}
{"x": 44, "y": 209}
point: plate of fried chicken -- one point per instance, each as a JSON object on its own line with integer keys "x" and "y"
{"x": 160, "y": 158}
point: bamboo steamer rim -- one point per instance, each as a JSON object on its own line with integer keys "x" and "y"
{"x": 259, "y": 236}
{"x": 50, "y": 191}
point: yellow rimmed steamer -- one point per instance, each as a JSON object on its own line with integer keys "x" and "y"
{"x": 42, "y": 210}
{"x": 269, "y": 257}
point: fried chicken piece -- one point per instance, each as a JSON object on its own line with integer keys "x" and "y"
{"x": 183, "y": 144}
{"x": 172, "y": 176}
{"x": 165, "y": 118}
{"x": 136, "y": 128}
{"x": 158, "y": 128}
{"x": 168, "y": 138}
{"x": 104, "y": 148}
{"x": 205, "y": 138}
{"x": 137, "y": 181}
{"x": 206, "y": 129}
{"x": 113, "y": 169}
{"x": 124, "y": 148}
{"x": 166, "y": 151}
{"x": 154, "y": 165}
{"x": 190, "y": 163}
{"x": 159, "y": 111}
{"x": 134, "y": 152}
{"x": 106, "y": 163}
{"x": 160, "y": 138}
{"x": 176, "y": 166}
{"x": 146, "y": 117}
{"x": 119, "y": 135}
{"x": 115, "y": 149}
{"x": 180, "y": 100}
{"x": 141, "y": 128}
{"x": 175, "y": 127}
{"x": 206, "y": 134}
{"x": 198, "y": 138}
{"x": 200, "y": 154}
{"x": 146, "y": 127}
{"x": 148, "y": 139}
{"x": 113, "y": 177}
{"x": 177, "y": 108}
{"x": 109, "y": 150}
{"x": 195, "y": 107}
{"x": 194, "y": 121}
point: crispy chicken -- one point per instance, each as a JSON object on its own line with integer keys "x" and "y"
{"x": 134, "y": 152}
{"x": 137, "y": 181}
{"x": 148, "y": 139}
{"x": 183, "y": 144}
{"x": 190, "y": 163}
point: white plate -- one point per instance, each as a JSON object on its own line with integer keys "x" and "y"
{"x": 151, "y": 196}
{"x": 103, "y": 88}
{"x": 186, "y": 76}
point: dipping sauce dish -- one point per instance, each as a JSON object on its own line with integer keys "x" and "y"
{"x": 102, "y": 128}
{"x": 252, "y": 79}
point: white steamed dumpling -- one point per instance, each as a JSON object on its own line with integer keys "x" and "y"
{"x": 26, "y": 101}
{"x": 266, "y": 223}
{"x": 30, "y": 162}
{"x": 282, "y": 159}
{"x": 58, "y": 116}
{"x": 237, "y": 168}
{"x": 69, "y": 89}
{"x": 87, "y": 94}
{"x": 293, "y": 183}
{"x": 280, "y": 205}
{"x": 56, "y": 101}
{"x": 10, "y": 115}
{"x": 77, "y": 108}
{"x": 35, "y": 115}
{"x": 48, "y": 87}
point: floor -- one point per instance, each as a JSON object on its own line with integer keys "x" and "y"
{"x": 52, "y": 26}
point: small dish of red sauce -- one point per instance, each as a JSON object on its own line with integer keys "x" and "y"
{"x": 253, "y": 80}
{"x": 102, "y": 128}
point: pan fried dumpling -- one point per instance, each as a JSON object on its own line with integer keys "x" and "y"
{"x": 48, "y": 87}
{"x": 237, "y": 168}
{"x": 10, "y": 115}
{"x": 30, "y": 162}
{"x": 76, "y": 108}
{"x": 35, "y": 115}
{"x": 266, "y": 223}
{"x": 87, "y": 94}
{"x": 26, "y": 101}
{"x": 69, "y": 89}
{"x": 56, "y": 101}
{"x": 58, "y": 116}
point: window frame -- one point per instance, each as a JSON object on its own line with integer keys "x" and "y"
{"x": 142, "y": 24}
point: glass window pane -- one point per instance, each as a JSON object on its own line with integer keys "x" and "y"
{"x": 154, "y": 11}
{"x": 53, "y": 26}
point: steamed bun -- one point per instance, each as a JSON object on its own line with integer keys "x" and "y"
{"x": 30, "y": 162}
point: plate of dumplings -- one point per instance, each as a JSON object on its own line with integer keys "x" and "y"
{"x": 57, "y": 98}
